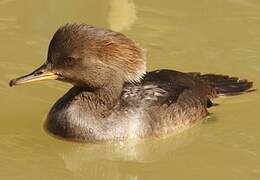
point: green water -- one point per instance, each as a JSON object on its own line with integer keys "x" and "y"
{"x": 221, "y": 36}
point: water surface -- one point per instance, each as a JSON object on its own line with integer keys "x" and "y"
{"x": 208, "y": 36}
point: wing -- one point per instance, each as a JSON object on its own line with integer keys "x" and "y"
{"x": 166, "y": 87}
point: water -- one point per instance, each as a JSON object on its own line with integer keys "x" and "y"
{"x": 208, "y": 36}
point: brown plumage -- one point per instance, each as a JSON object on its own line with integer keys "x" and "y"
{"x": 113, "y": 97}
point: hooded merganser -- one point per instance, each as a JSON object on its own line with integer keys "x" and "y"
{"x": 113, "y": 97}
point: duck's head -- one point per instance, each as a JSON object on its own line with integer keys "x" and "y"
{"x": 85, "y": 55}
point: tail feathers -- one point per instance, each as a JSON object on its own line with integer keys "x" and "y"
{"x": 228, "y": 86}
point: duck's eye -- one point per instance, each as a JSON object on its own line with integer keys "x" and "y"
{"x": 69, "y": 61}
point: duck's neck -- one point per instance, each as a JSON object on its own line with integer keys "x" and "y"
{"x": 100, "y": 100}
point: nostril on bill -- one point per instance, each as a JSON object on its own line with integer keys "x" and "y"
{"x": 37, "y": 73}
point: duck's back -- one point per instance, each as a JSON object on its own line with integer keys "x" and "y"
{"x": 174, "y": 100}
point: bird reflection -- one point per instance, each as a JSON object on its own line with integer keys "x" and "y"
{"x": 121, "y": 160}
{"x": 122, "y": 14}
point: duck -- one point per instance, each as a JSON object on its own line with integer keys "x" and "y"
{"x": 113, "y": 97}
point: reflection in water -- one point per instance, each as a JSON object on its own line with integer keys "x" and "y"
{"x": 111, "y": 161}
{"x": 80, "y": 161}
{"x": 122, "y": 14}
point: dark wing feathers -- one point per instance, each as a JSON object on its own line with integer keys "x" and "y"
{"x": 164, "y": 87}
{"x": 225, "y": 85}
{"x": 167, "y": 86}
